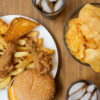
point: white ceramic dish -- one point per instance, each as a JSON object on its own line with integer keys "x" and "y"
{"x": 48, "y": 42}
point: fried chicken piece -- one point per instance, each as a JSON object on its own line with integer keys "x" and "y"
{"x": 3, "y": 26}
{"x": 42, "y": 61}
{"x": 18, "y": 28}
{"x": 6, "y": 65}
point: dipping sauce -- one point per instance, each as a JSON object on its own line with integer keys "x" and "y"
{"x": 83, "y": 91}
{"x": 49, "y": 6}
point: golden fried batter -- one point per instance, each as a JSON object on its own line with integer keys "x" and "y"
{"x": 3, "y": 27}
{"x": 6, "y": 60}
{"x": 19, "y": 27}
{"x": 42, "y": 61}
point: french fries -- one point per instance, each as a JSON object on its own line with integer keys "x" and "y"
{"x": 17, "y": 71}
{"x": 40, "y": 42}
{"x": 1, "y": 47}
{"x": 47, "y": 50}
{"x": 33, "y": 34}
{"x": 21, "y": 42}
{"x": 26, "y": 62}
{"x": 35, "y": 40}
{"x": 5, "y": 82}
{"x": 31, "y": 65}
{"x": 22, "y": 58}
{"x": 20, "y": 54}
{"x": 2, "y": 41}
{"x": 17, "y": 60}
{"x": 19, "y": 48}
{"x": 2, "y": 79}
{"x": 1, "y": 53}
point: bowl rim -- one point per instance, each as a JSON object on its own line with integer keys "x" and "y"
{"x": 49, "y": 14}
{"x": 66, "y": 26}
{"x": 84, "y": 81}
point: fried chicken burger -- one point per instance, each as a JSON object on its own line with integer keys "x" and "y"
{"x": 30, "y": 85}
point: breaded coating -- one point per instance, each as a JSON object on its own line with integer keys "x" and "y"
{"x": 3, "y": 27}
{"x": 6, "y": 65}
{"x": 19, "y": 27}
{"x": 42, "y": 61}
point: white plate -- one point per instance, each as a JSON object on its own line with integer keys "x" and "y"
{"x": 48, "y": 42}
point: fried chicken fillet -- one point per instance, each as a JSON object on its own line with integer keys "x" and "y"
{"x": 19, "y": 27}
{"x": 6, "y": 60}
{"x": 42, "y": 61}
{"x": 3, "y": 27}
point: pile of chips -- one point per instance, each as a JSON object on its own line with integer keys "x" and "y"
{"x": 83, "y": 36}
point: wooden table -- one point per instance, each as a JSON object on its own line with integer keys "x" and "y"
{"x": 69, "y": 70}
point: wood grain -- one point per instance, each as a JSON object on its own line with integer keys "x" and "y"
{"x": 69, "y": 70}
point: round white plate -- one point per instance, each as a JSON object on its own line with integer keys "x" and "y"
{"x": 48, "y": 42}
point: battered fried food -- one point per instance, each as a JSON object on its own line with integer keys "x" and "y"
{"x": 30, "y": 85}
{"x": 6, "y": 65}
{"x": 42, "y": 61}
{"x": 3, "y": 27}
{"x": 19, "y": 27}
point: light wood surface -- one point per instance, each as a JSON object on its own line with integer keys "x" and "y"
{"x": 69, "y": 70}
